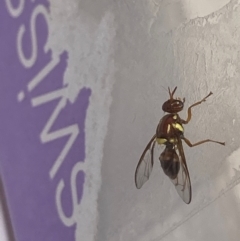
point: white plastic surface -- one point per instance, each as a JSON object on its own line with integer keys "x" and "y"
{"x": 157, "y": 49}
{"x": 3, "y": 228}
{"x": 6, "y": 233}
{"x": 128, "y": 52}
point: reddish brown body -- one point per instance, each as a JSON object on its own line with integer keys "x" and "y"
{"x": 170, "y": 132}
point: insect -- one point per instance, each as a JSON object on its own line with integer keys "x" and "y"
{"x": 170, "y": 132}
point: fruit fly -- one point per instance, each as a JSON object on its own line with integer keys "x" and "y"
{"x": 170, "y": 132}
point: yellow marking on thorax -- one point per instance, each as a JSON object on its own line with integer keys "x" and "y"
{"x": 161, "y": 141}
{"x": 178, "y": 127}
{"x": 168, "y": 128}
{"x": 174, "y": 117}
{"x": 173, "y": 140}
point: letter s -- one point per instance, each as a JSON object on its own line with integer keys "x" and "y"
{"x": 69, "y": 221}
{"x": 29, "y": 62}
{"x": 15, "y": 12}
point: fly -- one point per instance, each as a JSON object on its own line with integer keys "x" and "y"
{"x": 170, "y": 132}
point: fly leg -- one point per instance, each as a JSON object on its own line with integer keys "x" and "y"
{"x": 190, "y": 108}
{"x": 201, "y": 142}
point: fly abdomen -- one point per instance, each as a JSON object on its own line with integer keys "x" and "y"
{"x": 170, "y": 162}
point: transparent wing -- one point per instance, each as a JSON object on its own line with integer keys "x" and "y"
{"x": 182, "y": 182}
{"x": 145, "y": 164}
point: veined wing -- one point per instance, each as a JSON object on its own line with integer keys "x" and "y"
{"x": 145, "y": 164}
{"x": 182, "y": 182}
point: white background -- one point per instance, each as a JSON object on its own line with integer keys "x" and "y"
{"x": 146, "y": 46}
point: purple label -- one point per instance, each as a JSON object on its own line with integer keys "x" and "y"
{"x": 42, "y": 138}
